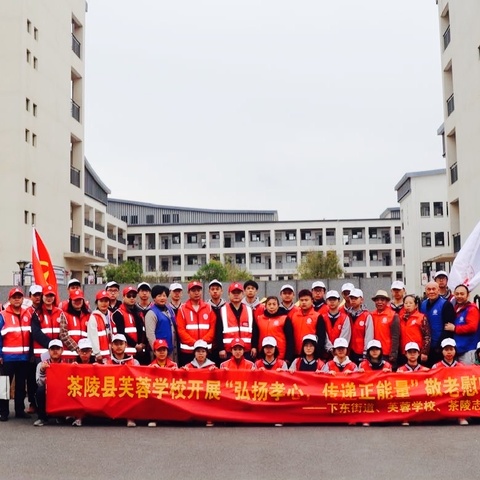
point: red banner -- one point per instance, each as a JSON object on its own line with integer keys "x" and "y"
{"x": 146, "y": 393}
{"x": 42, "y": 265}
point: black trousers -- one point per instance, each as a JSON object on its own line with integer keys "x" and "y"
{"x": 19, "y": 370}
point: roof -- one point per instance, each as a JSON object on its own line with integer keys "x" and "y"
{"x": 423, "y": 173}
{"x": 96, "y": 177}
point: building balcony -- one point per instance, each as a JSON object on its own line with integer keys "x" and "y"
{"x": 134, "y": 246}
{"x": 111, "y": 259}
{"x": 122, "y": 240}
{"x": 99, "y": 254}
{"x": 111, "y": 236}
{"x": 99, "y": 228}
{"x": 88, "y": 223}
{"x": 260, "y": 266}
{"x": 75, "y": 111}
{"x": 75, "y": 176}
{"x": 74, "y": 243}
{"x": 330, "y": 241}
{"x": 76, "y": 46}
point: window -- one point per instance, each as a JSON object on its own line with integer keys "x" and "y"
{"x": 255, "y": 237}
{"x": 29, "y": 56}
{"x": 176, "y": 218}
{"x": 124, "y": 218}
{"x": 439, "y": 239}
{"x": 426, "y": 239}
{"x": 150, "y": 218}
{"x": 25, "y": 217}
{"x": 34, "y": 140}
{"x": 453, "y": 173}
{"x": 291, "y": 258}
{"x": 34, "y": 218}
{"x": 35, "y": 33}
{"x": 34, "y": 110}
{"x": 134, "y": 219}
{"x": 26, "y": 185}
{"x": 35, "y": 63}
{"x": 27, "y": 135}
{"x": 27, "y": 104}
{"x": 425, "y": 209}
{"x": 192, "y": 238}
{"x": 291, "y": 235}
{"x": 29, "y": 26}
{"x": 438, "y": 209}
{"x": 176, "y": 239}
{"x": 166, "y": 218}
{"x": 239, "y": 236}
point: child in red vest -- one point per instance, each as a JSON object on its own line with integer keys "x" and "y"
{"x": 237, "y": 361}
{"x": 374, "y": 359}
{"x": 340, "y": 363}
{"x": 309, "y": 361}
{"x": 269, "y": 356}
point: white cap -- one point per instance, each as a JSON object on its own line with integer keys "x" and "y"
{"x": 73, "y": 281}
{"x": 200, "y": 344}
{"x": 120, "y": 337}
{"x": 215, "y": 282}
{"x": 318, "y": 284}
{"x": 412, "y": 346}
{"x": 374, "y": 344}
{"x": 397, "y": 285}
{"x": 310, "y": 337}
{"x": 55, "y": 343}
{"x": 286, "y": 287}
{"x": 84, "y": 343}
{"x": 175, "y": 286}
{"x": 340, "y": 342}
{"x": 35, "y": 289}
{"x": 112, "y": 284}
{"x": 439, "y": 273}
{"x": 448, "y": 342}
{"x": 144, "y": 286}
{"x": 356, "y": 292}
{"x": 332, "y": 294}
{"x": 478, "y": 345}
{"x": 271, "y": 341}
{"x": 348, "y": 286}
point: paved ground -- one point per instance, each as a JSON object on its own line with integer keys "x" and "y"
{"x": 238, "y": 452}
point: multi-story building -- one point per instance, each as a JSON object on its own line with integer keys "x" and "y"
{"x": 425, "y": 226}
{"x": 44, "y": 180}
{"x": 460, "y": 61}
{"x": 177, "y": 241}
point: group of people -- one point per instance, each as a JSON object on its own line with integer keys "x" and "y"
{"x": 314, "y": 331}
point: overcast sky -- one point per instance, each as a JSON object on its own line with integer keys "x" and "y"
{"x": 313, "y": 108}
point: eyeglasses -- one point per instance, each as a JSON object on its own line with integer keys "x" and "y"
{"x": 131, "y": 295}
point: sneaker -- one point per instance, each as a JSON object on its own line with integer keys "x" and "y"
{"x": 152, "y": 424}
{"x": 39, "y": 423}
{"x": 462, "y": 421}
{"x": 279, "y": 424}
{"x": 366, "y": 424}
{"x": 77, "y": 423}
{"x": 209, "y": 424}
{"x": 131, "y": 424}
{"x": 405, "y": 424}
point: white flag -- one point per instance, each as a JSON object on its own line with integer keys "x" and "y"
{"x": 466, "y": 266}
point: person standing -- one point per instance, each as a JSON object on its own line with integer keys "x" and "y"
{"x": 287, "y": 295}
{"x": 318, "y": 294}
{"x": 337, "y": 322}
{"x": 215, "y": 290}
{"x": 113, "y": 290}
{"x": 250, "y": 287}
{"x": 441, "y": 279}
{"x": 176, "y": 292}
{"x": 144, "y": 302}
{"x": 398, "y": 292}
{"x": 362, "y": 326}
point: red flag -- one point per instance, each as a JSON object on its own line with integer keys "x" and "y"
{"x": 42, "y": 266}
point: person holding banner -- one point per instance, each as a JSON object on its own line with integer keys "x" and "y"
{"x": 161, "y": 360}
{"x": 200, "y": 350}
{"x": 374, "y": 359}
{"x": 237, "y": 361}
{"x": 269, "y": 356}
{"x": 308, "y": 361}
{"x": 100, "y": 327}
{"x": 340, "y": 363}
{"x": 465, "y": 326}
{"x": 412, "y": 352}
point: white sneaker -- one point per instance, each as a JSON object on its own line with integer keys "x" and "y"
{"x": 365, "y": 424}
{"x": 405, "y": 424}
{"x": 279, "y": 424}
{"x": 77, "y": 423}
{"x": 39, "y": 423}
{"x": 462, "y": 421}
{"x": 152, "y": 424}
{"x": 131, "y": 424}
{"x": 209, "y": 424}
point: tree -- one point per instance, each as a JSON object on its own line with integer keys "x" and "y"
{"x": 127, "y": 272}
{"x": 318, "y": 265}
{"x": 227, "y": 272}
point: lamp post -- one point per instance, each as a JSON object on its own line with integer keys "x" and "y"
{"x": 21, "y": 265}
{"x": 95, "y": 270}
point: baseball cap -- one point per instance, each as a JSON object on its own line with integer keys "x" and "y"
{"x": 144, "y": 286}
{"x": 340, "y": 342}
{"x": 102, "y": 294}
{"x": 48, "y": 290}
{"x": 332, "y": 294}
{"x": 175, "y": 286}
{"x": 76, "y": 294}
{"x": 112, "y": 284}
{"x": 356, "y": 292}
{"x": 235, "y": 286}
{"x": 310, "y": 337}
{"x": 119, "y": 337}
{"x": 84, "y": 343}
{"x": 35, "y": 289}
{"x": 237, "y": 342}
{"x": 74, "y": 281}
{"x": 195, "y": 284}
{"x": 127, "y": 290}
{"x": 55, "y": 343}
{"x": 348, "y": 287}
{"x": 287, "y": 287}
{"x": 270, "y": 341}
{"x": 397, "y": 285}
{"x": 381, "y": 294}
{"x": 160, "y": 343}
{"x": 215, "y": 282}
{"x": 412, "y": 346}
{"x": 448, "y": 342}
{"x": 374, "y": 344}
{"x": 13, "y": 291}
{"x": 200, "y": 344}
{"x": 440, "y": 273}
{"x": 318, "y": 284}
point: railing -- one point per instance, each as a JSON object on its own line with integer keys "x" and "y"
{"x": 88, "y": 250}
{"x": 74, "y": 243}
{"x": 134, "y": 246}
{"x": 99, "y": 227}
{"x": 75, "y": 176}
{"x": 453, "y": 173}
{"x": 111, "y": 259}
{"x": 88, "y": 223}
{"x": 76, "y": 46}
{"x": 99, "y": 254}
{"x": 446, "y": 38}
{"x": 122, "y": 239}
{"x": 111, "y": 236}
{"x": 457, "y": 244}
{"x": 75, "y": 111}
{"x": 330, "y": 241}
{"x": 450, "y": 105}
